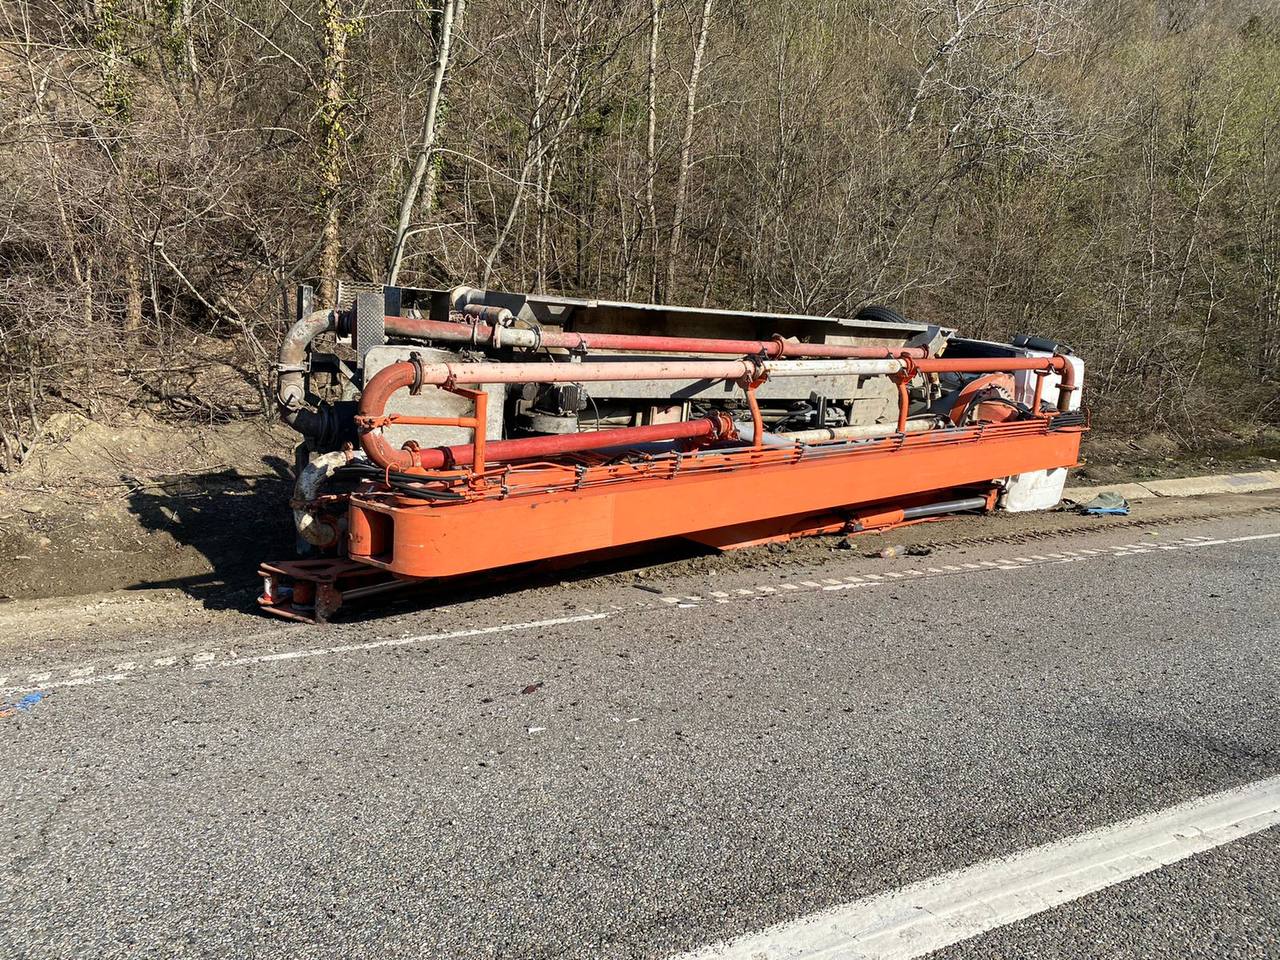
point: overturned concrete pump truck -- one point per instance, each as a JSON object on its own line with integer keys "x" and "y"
{"x": 449, "y": 432}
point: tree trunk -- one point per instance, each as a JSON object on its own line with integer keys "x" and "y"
{"x": 651, "y": 155}
{"x": 132, "y": 288}
{"x": 539, "y": 158}
{"x": 449, "y": 15}
{"x": 686, "y": 150}
{"x": 331, "y": 112}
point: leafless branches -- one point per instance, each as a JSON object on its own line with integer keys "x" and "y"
{"x": 1102, "y": 172}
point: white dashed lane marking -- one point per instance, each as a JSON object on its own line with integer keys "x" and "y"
{"x": 83, "y": 674}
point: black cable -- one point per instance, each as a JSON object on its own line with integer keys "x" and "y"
{"x": 970, "y": 414}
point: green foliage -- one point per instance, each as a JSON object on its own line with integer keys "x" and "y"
{"x": 111, "y": 40}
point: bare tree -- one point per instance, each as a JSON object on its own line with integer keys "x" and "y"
{"x": 651, "y": 149}
{"x": 450, "y": 14}
{"x": 336, "y": 26}
{"x": 1103, "y": 173}
{"x": 686, "y": 147}
{"x": 976, "y": 52}
{"x": 557, "y": 71}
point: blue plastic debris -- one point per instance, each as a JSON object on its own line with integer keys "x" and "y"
{"x": 21, "y": 706}
{"x": 1106, "y": 505}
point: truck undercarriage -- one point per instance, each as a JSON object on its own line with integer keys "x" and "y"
{"x": 455, "y": 432}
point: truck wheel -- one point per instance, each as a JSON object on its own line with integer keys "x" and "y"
{"x": 882, "y": 314}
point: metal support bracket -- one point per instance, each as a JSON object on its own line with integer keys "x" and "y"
{"x": 368, "y": 329}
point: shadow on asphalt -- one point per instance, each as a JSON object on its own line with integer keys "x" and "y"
{"x": 427, "y": 596}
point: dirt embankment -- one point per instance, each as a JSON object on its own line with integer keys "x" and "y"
{"x": 142, "y": 504}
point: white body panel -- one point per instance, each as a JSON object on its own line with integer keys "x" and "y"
{"x": 1039, "y": 489}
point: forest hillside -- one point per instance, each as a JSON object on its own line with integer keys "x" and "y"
{"x": 1106, "y": 172}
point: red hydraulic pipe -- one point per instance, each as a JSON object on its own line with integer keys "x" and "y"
{"x": 380, "y": 388}
{"x": 536, "y": 448}
{"x": 1005, "y": 364}
{"x": 533, "y": 372}
{"x": 481, "y": 333}
{"x": 757, "y": 421}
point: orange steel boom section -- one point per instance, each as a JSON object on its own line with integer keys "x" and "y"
{"x": 543, "y": 510}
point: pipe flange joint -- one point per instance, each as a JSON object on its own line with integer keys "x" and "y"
{"x": 414, "y": 451}
{"x": 759, "y": 372}
{"x": 781, "y": 341}
{"x": 415, "y": 358}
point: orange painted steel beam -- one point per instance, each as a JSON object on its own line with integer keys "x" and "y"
{"x": 421, "y": 540}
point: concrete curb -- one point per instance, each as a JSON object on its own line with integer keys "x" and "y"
{"x": 1184, "y": 487}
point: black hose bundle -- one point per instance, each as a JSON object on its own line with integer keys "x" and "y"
{"x": 1072, "y": 418}
{"x": 404, "y": 484}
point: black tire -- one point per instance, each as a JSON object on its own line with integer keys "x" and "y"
{"x": 881, "y": 314}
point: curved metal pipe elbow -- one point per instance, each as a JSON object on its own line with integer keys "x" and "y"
{"x": 1067, "y": 385}
{"x": 291, "y": 362}
{"x": 462, "y": 295}
{"x": 373, "y": 403}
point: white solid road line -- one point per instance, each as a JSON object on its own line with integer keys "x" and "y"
{"x": 935, "y": 913}
{"x": 206, "y": 660}
{"x": 402, "y": 641}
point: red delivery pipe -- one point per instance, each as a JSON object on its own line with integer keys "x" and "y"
{"x": 748, "y": 369}
{"x": 480, "y": 333}
{"x": 387, "y": 381}
{"x": 1003, "y": 364}
{"x": 534, "y": 448}
{"x": 535, "y": 372}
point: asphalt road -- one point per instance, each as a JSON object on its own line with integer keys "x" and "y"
{"x": 606, "y": 771}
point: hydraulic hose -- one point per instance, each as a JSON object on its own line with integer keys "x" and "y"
{"x": 321, "y": 531}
